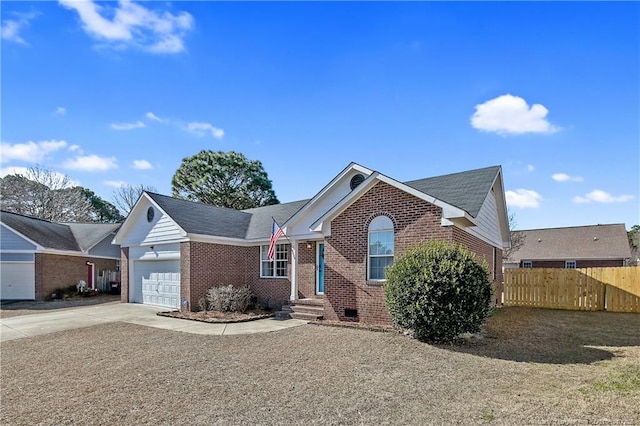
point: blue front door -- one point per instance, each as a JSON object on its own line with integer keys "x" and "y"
{"x": 320, "y": 263}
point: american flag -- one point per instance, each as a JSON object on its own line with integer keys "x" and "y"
{"x": 276, "y": 233}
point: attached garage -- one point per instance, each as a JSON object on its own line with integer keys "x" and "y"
{"x": 17, "y": 279}
{"x": 157, "y": 282}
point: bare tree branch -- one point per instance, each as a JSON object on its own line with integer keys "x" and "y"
{"x": 125, "y": 197}
{"x": 517, "y": 237}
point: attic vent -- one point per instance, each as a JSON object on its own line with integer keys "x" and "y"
{"x": 356, "y": 180}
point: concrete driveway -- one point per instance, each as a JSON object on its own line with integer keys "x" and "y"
{"x": 67, "y": 319}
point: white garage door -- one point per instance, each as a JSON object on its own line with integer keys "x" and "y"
{"x": 158, "y": 283}
{"x": 17, "y": 281}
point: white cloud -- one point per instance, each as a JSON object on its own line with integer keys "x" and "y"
{"x": 74, "y": 148}
{"x": 11, "y": 27}
{"x": 599, "y": 196}
{"x": 142, "y": 165}
{"x": 563, "y": 177}
{"x": 151, "y": 116}
{"x": 131, "y": 24}
{"x": 523, "y": 198}
{"x": 201, "y": 129}
{"x": 91, "y": 163}
{"x": 127, "y": 126}
{"x": 115, "y": 183}
{"x": 31, "y": 152}
{"x": 60, "y": 111}
{"x": 530, "y": 167}
{"x": 509, "y": 114}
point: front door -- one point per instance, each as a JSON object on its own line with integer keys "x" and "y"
{"x": 320, "y": 269}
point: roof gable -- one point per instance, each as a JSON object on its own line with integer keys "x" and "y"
{"x": 572, "y": 243}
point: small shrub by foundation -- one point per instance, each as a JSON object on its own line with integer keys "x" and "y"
{"x": 229, "y": 298}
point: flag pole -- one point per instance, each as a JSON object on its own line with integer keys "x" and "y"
{"x": 285, "y": 235}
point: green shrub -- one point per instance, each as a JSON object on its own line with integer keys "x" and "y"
{"x": 229, "y": 298}
{"x": 439, "y": 291}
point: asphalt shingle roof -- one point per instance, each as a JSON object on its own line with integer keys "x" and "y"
{"x": 205, "y": 219}
{"x": 578, "y": 242}
{"x": 88, "y": 235}
{"x": 261, "y": 217}
{"x": 465, "y": 190}
{"x": 59, "y": 236}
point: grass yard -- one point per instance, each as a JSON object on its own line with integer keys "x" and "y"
{"x": 533, "y": 367}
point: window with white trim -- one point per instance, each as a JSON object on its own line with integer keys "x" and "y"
{"x": 276, "y": 268}
{"x": 380, "y": 248}
{"x": 570, "y": 264}
{"x": 527, "y": 264}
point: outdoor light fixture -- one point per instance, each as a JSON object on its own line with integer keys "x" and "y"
{"x": 309, "y": 244}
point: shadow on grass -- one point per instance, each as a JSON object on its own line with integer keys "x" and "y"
{"x": 553, "y": 336}
{"x": 57, "y": 304}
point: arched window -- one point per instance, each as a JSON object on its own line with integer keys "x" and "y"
{"x": 380, "y": 247}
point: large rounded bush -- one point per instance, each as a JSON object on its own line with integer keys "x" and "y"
{"x": 439, "y": 291}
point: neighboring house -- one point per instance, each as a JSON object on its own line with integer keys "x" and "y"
{"x": 336, "y": 246}
{"x": 38, "y": 256}
{"x": 572, "y": 247}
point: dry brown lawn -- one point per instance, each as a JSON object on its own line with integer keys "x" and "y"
{"x": 533, "y": 367}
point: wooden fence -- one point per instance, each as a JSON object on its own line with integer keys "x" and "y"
{"x": 587, "y": 289}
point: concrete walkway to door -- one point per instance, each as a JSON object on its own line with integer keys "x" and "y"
{"x": 70, "y": 318}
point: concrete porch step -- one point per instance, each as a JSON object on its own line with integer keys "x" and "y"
{"x": 302, "y": 309}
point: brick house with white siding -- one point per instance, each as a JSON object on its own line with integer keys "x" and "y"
{"x": 38, "y": 256}
{"x": 335, "y": 247}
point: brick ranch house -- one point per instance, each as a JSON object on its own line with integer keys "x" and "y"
{"x": 38, "y": 256}
{"x": 338, "y": 242}
{"x": 572, "y": 247}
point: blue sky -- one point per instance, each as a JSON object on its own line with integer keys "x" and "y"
{"x": 111, "y": 93}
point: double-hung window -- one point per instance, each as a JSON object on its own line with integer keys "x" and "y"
{"x": 380, "y": 251}
{"x": 276, "y": 268}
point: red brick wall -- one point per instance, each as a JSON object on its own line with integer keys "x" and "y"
{"x": 579, "y": 263}
{"x": 185, "y": 277}
{"x": 306, "y": 270}
{"x": 55, "y": 271}
{"x": 206, "y": 265}
{"x": 271, "y": 292}
{"x": 346, "y": 250}
{"x": 124, "y": 274}
{"x": 485, "y": 253}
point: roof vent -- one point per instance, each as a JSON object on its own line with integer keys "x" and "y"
{"x": 539, "y": 240}
{"x": 356, "y": 180}
{"x": 595, "y": 238}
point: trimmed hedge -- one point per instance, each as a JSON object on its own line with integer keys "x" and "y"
{"x": 439, "y": 291}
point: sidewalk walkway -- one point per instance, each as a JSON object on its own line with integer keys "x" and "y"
{"x": 71, "y": 318}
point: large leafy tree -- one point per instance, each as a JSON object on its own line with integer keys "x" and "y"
{"x": 53, "y": 196}
{"x": 224, "y": 179}
{"x": 126, "y": 196}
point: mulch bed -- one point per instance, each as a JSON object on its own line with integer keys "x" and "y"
{"x": 219, "y": 317}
